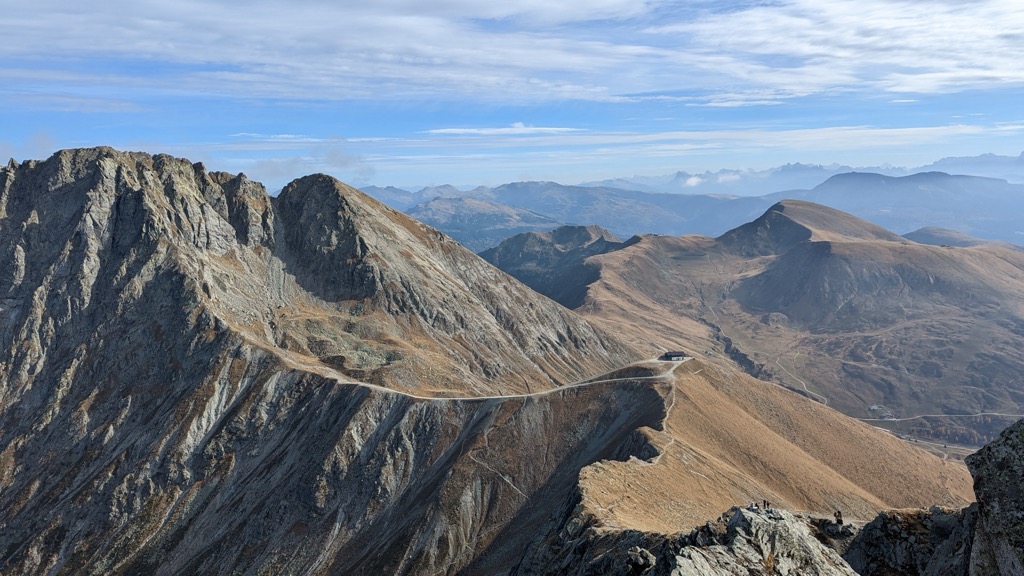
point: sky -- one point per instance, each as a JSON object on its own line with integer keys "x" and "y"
{"x": 466, "y": 92}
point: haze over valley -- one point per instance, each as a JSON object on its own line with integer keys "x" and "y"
{"x": 479, "y": 217}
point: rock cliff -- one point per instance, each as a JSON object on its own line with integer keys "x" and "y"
{"x": 741, "y": 542}
{"x": 925, "y": 542}
{"x": 178, "y": 363}
{"x": 998, "y": 471}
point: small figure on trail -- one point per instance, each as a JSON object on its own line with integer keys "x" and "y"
{"x": 839, "y": 518}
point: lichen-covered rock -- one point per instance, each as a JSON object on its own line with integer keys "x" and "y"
{"x": 998, "y": 471}
{"x": 770, "y": 542}
{"x": 985, "y": 539}
{"x": 742, "y": 542}
{"x": 933, "y": 542}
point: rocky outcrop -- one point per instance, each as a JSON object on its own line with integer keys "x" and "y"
{"x": 985, "y": 539}
{"x": 554, "y": 263}
{"x": 933, "y": 542}
{"x": 743, "y": 541}
{"x": 998, "y": 471}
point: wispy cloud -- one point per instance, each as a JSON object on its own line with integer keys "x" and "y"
{"x": 599, "y": 85}
{"x": 904, "y": 46}
{"x": 515, "y": 129}
{"x": 578, "y": 155}
{"x": 524, "y": 50}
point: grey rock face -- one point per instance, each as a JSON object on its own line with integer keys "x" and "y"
{"x": 764, "y": 542}
{"x": 935, "y": 542}
{"x": 998, "y": 471}
{"x": 554, "y": 263}
{"x": 741, "y": 542}
{"x": 985, "y": 539}
{"x": 177, "y": 355}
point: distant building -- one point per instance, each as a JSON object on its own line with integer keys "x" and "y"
{"x": 673, "y": 356}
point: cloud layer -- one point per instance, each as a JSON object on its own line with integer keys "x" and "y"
{"x": 520, "y": 50}
{"x": 468, "y": 91}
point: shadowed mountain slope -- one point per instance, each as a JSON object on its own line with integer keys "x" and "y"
{"x": 554, "y": 263}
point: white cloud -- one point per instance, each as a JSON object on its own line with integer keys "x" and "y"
{"x": 517, "y": 128}
{"x": 903, "y": 46}
{"x": 520, "y": 50}
{"x": 577, "y": 155}
{"x": 694, "y": 181}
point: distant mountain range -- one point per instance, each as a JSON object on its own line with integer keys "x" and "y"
{"x": 977, "y": 206}
{"x": 730, "y": 182}
{"x": 478, "y": 223}
{"x": 982, "y": 207}
{"x": 797, "y": 176}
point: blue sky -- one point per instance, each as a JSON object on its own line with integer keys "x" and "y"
{"x": 414, "y": 92}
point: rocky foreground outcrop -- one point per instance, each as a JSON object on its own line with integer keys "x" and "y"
{"x": 998, "y": 471}
{"x": 743, "y": 542}
{"x": 984, "y": 539}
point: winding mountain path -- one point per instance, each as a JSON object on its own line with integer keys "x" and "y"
{"x": 311, "y": 365}
{"x": 582, "y": 384}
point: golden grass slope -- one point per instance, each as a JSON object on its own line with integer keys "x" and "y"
{"x": 922, "y": 339}
{"x": 730, "y": 439}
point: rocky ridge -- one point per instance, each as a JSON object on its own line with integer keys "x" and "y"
{"x": 742, "y": 541}
{"x": 554, "y": 263}
{"x": 200, "y": 379}
{"x": 999, "y": 538}
{"x": 188, "y": 372}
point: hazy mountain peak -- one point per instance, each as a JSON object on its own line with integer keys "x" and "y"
{"x": 479, "y": 223}
{"x": 790, "y": 222}
{"x": 441, "y": 191}
{"x": 939, "y": 236}
{"x": 576, "y": 236}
